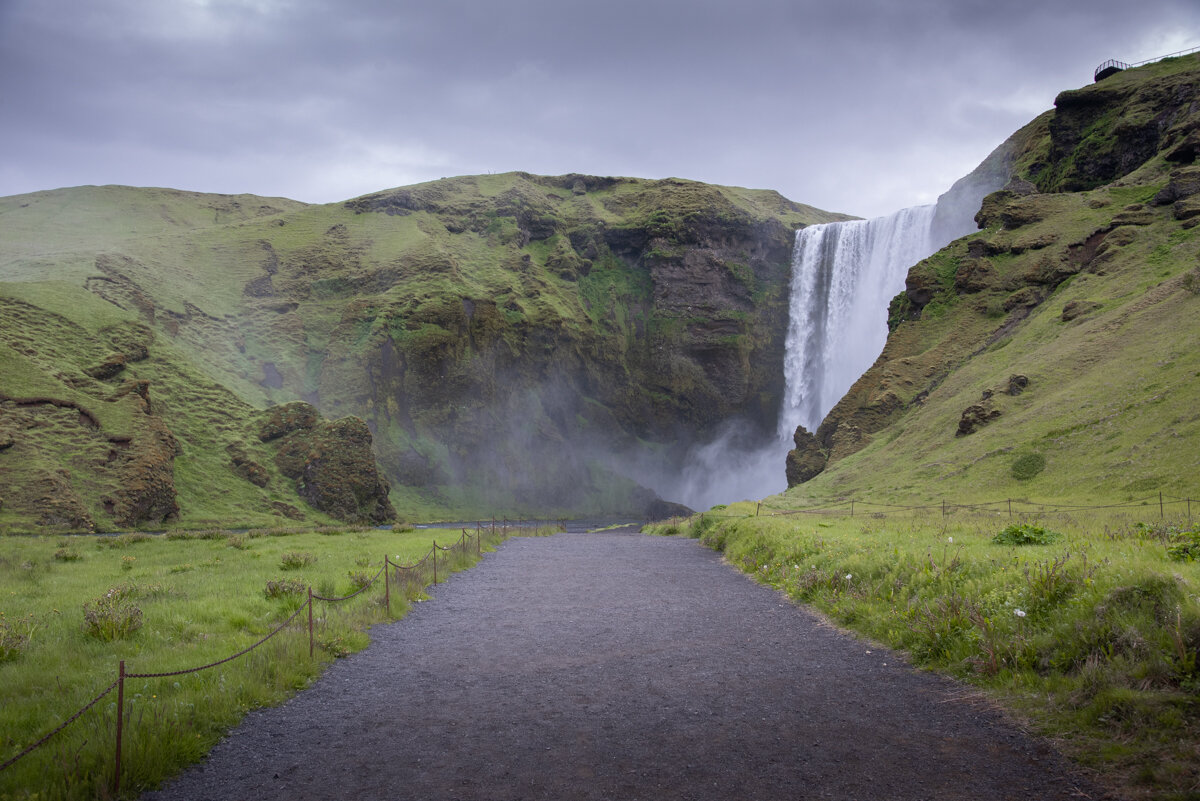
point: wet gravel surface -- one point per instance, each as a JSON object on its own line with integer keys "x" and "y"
{"x": 620, "y": 666}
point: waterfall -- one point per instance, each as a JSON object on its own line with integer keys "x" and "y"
{"x": 843, "y": 277}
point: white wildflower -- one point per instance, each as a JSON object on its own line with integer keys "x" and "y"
{"x": 1019, "y": 613}
{"x": 849, "y": 576}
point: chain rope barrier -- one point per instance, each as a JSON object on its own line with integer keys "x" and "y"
{"x": 409, "y": 570}
{"x": 65, "y": 723}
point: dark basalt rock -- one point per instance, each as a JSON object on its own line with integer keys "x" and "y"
{"x": 975, "y": 417}
{"x": 806, "y": 460}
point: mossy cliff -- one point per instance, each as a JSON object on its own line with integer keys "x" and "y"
{"x": 102, "y": 426}
{"x": 508, "y": 342}
{"x": 1065, "y": 333}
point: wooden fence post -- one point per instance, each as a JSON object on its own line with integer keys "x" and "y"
{"x": 120, "y": 726}
{"x": 387, "y": 585}
{"x": 435, "y": 561}
{"x": 310, "y": 624}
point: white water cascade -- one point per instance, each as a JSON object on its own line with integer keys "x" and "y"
{"x": 843, "y": 277}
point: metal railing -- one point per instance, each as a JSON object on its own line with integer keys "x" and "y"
{"x": 1113, "y": 65}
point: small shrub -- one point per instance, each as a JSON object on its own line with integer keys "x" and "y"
{"x": 335, "y": 646}
{"x": 67, "y": 555}
{"x": 1027, "y": 466}
{"x": 1184, "y": 547}
{"x": 1160, "y": 530}
{"x": 1191, "y": 281}
{"x": 294, "y": 560}
{"x": 1049, "y": 582}
{"x": 134, "y": 590}
{"x": 14, "y": 637}
{"x": 125, "y": 540}
{"x": 286, "y": 588}
{"x": 127, "y": 562}
{"x": 1026, "y": 534}
{"x": 239, "y": 541}
{"x": 110, "y": 617}
{"x": 358, "y": 579}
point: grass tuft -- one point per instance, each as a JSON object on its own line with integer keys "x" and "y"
{"x": 294, "y": 560}
{"x": 111, "y": 616}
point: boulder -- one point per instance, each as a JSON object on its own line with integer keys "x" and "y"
{"x": 335, "y": 471}
{"x": 1182, "y": 184}
{"x": 975, "y": 417}
{"x": 807, "y": 460}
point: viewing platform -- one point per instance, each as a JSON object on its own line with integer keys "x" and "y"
{"x": 1112, "y": 66}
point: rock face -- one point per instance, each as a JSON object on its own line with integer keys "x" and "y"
{"x": 146, "y": 483}
{"x": 543, "y": 330}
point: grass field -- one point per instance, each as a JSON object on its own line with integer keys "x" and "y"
{"x": 1084, "y": 624}
{"x": 202, "y": 597}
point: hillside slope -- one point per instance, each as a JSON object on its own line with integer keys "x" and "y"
{"x": 1056, "y": 352}
{"x": 509, "y": 340}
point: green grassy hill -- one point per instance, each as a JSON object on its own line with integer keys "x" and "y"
{"x": 507, "y": 339}
{"x": 1055, "y": 354}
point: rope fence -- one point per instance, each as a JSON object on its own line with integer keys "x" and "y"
{"x": 412, "y": 578}
{"x": 851, "y": 507}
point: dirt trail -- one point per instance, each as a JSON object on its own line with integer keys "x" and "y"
{"x": 620, "y": 666}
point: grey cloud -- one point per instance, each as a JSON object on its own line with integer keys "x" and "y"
{"x": 861, "y": 106}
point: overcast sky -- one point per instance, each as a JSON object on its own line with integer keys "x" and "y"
{"x": 860, "y": 106}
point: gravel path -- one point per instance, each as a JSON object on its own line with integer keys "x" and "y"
{"x": 621, "y": 666}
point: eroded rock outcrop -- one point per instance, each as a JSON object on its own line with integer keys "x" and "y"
{"x": 806, "y": 460}
{"x": 332, "y": 464}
